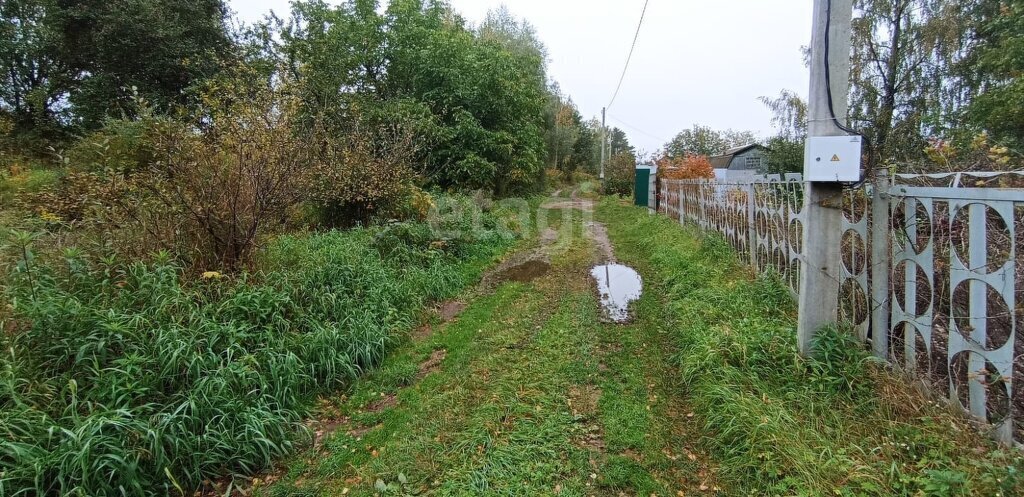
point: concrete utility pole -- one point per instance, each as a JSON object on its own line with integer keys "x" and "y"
{"x": 820, "y": 271}
{"x": 604, "y": 133}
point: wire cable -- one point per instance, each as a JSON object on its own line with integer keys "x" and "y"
{"x": 622, "y": 78}
{"x": 828, "y": 91}
{"x": 638, "y": 130}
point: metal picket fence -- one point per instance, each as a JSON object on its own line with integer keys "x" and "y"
{"x": 946, "y": 251}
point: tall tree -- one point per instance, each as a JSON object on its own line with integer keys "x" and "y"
{"x": 703, "y": 140}
{"x": 789, "y": 114}
{"x": 158, "y": 47}
{"x": 997, "y": 64}
{"x": 33, "y": 81}
{"x": 618, "y": 143}
{"x": 789, "y": 117}
{"x": 583, "y": 156}
{"x": 903, "y": 51}
{"x": 562, "y": 130}
{"x": 485, "y": 89}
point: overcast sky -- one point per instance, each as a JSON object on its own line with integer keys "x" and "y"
{"x": 697, "y": 61}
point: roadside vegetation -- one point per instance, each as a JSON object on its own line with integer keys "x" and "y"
{"x": 776, "y": 424}
{"x": 129, "y": 378}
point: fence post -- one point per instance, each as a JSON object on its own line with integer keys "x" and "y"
{"x": 682, "y": 203}
{"x": 881, "y": 264}
{"x": 752, "y": 225}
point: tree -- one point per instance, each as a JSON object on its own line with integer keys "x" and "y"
{"x": 789, "y": 117}
{"x": 618, "y": 142}
{"x": 478, "y": 97}
{"x": 590, "y": 137}
{"x": 739, "y": 138}
{"x": 703, "y": 140}
{"x": 583, "y": 156}
{"x": 903, "y": 51}
{"x": 999, "y": 63}
{"x": 70, "y": 63}
{"x": 789, "y": 114}
{"x": 34, "y": 81}
{"x": 159, "y": 48}
{"x": 563, "y": 129}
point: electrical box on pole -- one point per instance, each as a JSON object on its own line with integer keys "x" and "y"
{"x": 833, "y": 159}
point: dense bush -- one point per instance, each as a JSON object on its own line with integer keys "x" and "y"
{"x": 120, "y": 378}
{"x": 687, "y": 167}
{"x": 208, "y": 196}
{"x": 477, "y": 97}
{"x": 369, "y": 170}
{"x": 620, "y": 174}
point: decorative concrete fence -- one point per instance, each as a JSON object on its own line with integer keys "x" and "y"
{"x": 932, "y": 272}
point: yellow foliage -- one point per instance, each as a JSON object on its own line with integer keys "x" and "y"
{"x": 420, "y": 203}
{"x": 48, "y": 216}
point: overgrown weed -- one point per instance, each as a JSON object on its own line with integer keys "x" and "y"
{"x": 128, "y": 378}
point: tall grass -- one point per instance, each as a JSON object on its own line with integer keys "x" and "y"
{"x": 23, "y": 180}
{"x": 777, "y": 424}
{"x": 120, "y": 379}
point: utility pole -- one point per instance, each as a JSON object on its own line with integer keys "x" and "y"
{"x": 604, "y": 133}
{"x": 823, "y": 215}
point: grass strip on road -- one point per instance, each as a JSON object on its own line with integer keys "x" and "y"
{"x": 534, "y": 396}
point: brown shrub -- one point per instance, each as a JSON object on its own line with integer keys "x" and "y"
{"x": 234, "y": 181}
{"x": 620, "y": 173}
{"x": 366, "y": 172}
{"x": 208, "y": 194}
{"x": 689, "y": 167}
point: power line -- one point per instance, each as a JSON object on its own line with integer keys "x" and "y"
{"x": 638, "y": 130}
{"x": 643, "y": 13}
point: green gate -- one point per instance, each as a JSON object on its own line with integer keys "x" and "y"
{"x": 642, "y": 190}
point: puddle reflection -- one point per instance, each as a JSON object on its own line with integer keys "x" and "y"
{"x": 617, "y": 285}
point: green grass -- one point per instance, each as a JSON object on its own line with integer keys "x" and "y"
{"x": 14, "y": 190}
{"x": 527, "y": 392}
{"x": 27, "y": 181}
{"x": 535, "y": 396}
{"x": 780, "y": 425}
{"x": 129, "y": 379}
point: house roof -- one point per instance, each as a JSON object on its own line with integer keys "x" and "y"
{"x": 724, "y": 161}
{"x": 739, "y": 150}
{"x": 720, "y": 161}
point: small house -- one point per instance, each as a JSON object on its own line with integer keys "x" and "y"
{"x": 741, "y": 164}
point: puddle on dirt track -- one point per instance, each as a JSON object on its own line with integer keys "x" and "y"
{"x": 525, "y": 272}
{"x": 617, "y": 285}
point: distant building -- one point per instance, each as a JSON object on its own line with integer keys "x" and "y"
{"x": 741, "y": 164}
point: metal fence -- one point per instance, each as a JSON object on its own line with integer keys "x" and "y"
{"x": 946, "y": 251}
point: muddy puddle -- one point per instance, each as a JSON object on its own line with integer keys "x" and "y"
{"x": 525, "y": 272}
{"x": 617, "y": 286}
